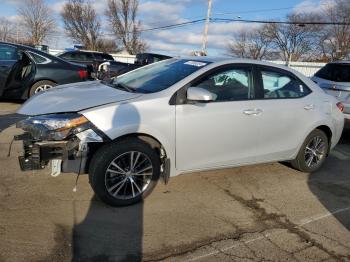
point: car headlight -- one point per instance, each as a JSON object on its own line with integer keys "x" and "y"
{"x": 54, "y": 126}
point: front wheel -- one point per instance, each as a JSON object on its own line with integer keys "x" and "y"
{"x": 312, "y": 153}
{"x": 125, "y": 172}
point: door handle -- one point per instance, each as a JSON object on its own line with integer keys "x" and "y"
{"x": 254, "y": 112}
{"x": 309, "y": 107}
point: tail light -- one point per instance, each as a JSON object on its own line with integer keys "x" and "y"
{"x": 83, "y": 74}
{"x": 340, "y": 106}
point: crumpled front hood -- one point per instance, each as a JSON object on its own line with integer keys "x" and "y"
{"x": 73, "y": 98}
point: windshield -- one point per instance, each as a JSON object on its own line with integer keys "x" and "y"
{"x": 158, "y": 76}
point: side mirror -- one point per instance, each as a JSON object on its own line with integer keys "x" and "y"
{"x": 200, "y": 94}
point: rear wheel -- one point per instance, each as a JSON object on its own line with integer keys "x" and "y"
{"x": 312, "y": 153}
{"x": 41, "y": 86}
{"x": 125, "y": 172}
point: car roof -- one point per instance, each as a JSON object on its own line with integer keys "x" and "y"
{"x": 340, "y": 62}
{"x": 227, "y": 60}
{"x": 34, "y": 50}
{"x": 85, "y": 51}
{"x": 26, "y": 47}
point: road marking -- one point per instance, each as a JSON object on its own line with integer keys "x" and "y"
{"x": 303, "y": 222}
{"x": 319, "y": 217}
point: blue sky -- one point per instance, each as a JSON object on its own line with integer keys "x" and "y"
{"x": 155, "y": 13}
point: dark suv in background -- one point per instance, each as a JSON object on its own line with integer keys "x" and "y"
{"x": 90, "y": 58}
{"x": 25, "y": 71}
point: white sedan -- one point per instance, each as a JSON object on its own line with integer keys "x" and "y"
{"x": 178, "y": 116}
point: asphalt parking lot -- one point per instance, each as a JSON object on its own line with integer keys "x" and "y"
{"x": 265, "y": 212}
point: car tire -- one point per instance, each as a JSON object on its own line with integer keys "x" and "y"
{"x": 41, "y": 86}
{"x": 105, "y": 183}
{"x": 312, "y": 153}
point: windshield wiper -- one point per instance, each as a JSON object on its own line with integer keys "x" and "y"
{"x": 124, "y": 87}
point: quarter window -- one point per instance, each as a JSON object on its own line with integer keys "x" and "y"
{"x": 277, "y": 85}
{"x": 229, "y": 84}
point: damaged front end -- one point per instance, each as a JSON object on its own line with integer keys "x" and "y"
{"x": 66, "y": 140}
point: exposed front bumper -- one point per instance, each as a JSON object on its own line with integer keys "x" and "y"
{"x": 70, "y": 156}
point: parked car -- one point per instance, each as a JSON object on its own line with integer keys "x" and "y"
{"x": 90, "y": 58}
{"x": 334, "y": 79}
{"x": 113, "y": 68}
{"x": 25, "y": 71}
{"x": 149, "y": 58}
{"x": 178, "y": 116}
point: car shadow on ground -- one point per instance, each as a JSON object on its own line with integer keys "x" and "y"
{"x": 8, "y": 120}
{"x": 331, "y": 184}
{"x": 109, "y": 234}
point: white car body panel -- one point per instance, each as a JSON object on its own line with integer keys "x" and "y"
{"x": 73, "y": 98}
{"x": 340, "y": 91}
{"x": 200, "y": 136}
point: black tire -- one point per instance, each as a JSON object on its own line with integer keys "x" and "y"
{"x": 102, "y": 160}
{"x": 300, "y": 162}
{"x": 38, "y": 84}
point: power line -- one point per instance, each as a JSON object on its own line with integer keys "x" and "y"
{"x": 277, "y": 22}
{"x": 173, "y": 25}
{"x": 266, "y": 10}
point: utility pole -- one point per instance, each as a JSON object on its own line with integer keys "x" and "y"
{"x": 206, "y": 27}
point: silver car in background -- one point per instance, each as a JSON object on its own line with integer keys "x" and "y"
{"x": 178, "y": 116}
{"x": 334, "y": 79}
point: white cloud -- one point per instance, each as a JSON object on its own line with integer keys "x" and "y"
{"x": 160, "y": 13}
{"x": 313, "y": 6}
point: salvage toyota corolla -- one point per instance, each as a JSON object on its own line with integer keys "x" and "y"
{"x": 177, "y": 116}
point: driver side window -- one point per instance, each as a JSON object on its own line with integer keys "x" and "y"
{"x": 229, "y": 84}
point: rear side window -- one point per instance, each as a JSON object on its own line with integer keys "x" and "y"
{"x": 39, "y": 59}
{"x": 101, "y": 56}
{"x": 229, "y": 84}
{"x": 82, "y": 56}
{"x": 69, "y": 56}
{"x": 8, "y": 53}
{"x": 335, "y": 72}
{"x": 279, "y": 86}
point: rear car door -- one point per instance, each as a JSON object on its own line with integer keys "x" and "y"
{"x": 288, "y": 109}
{"x": 222, "y": 132}
{"x": 8, "y": 57}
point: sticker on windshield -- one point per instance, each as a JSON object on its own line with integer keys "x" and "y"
{"x": 195, "y": 63}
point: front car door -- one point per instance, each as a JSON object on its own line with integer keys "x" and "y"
{"x": 287, "y": 108}
{"x": 8, "y": 57}
{"x": 222, "y": 132}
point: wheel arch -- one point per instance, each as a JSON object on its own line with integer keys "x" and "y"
{"x": 327, "y": 131}
{"x": 156, "y": 145}
{"x": 151, "y": 140}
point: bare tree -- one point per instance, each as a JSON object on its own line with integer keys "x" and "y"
{"x": 6, "y": 30}
{"x": 293, "y": 41}
{"x": 334, "y": 40}
{"x": 250, "y": 44}
{"x": 81, "y": 23}
{"x": 107, "y": 46}
{"x": 122, "y": 18}
{"x": 37, "y": 19}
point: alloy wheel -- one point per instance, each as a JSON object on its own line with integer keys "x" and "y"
{"x": 128, "y": 175}
{"x": 315, "y": 151}
{"x": 42, "y": 88}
